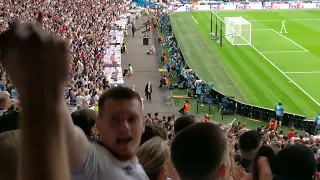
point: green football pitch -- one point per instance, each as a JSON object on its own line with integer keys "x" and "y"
{"x": 275, "y": 67}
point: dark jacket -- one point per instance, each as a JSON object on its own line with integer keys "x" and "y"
{"x": 146, "y": 88}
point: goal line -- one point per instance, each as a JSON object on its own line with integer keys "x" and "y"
{"x": 271, "y": 20}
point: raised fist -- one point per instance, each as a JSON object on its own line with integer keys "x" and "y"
{"x": 35, "y": 60}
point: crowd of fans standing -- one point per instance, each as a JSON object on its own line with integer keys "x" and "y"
{"x": 85, "y": 26}
{"x": 117, "y": 142}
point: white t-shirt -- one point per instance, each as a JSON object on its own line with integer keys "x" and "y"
{"x": 102, "y": 165}
{"x": 79, "y": 100}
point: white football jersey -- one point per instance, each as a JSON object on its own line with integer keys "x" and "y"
{"x": 102, "y": 165}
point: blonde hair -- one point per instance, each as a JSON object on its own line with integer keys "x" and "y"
{"x": 153, "y": 156}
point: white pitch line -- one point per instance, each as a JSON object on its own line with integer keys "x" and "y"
{"x": 290, "y": 40}
{"x": 279, "y": 70}
{"x": 308, "y": 72}
{"x": 261, "y": 29}
{"x": 266, "y": 20}
{"x": 286, "y": 76}
{"x": 194, "y": 19}
{"x": 271, "y": 52}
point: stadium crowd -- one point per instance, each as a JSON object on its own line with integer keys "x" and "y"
{"x": 118, "y": 142}
{"x": 85, "y": 26}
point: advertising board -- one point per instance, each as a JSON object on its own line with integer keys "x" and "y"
{"x": 250, "y": 6}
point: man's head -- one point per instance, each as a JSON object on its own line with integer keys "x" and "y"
{"x": 295, "y": 162}
{"x": 4, "y": 100}
{"x": 85, "y": 119}
{"x": 120, "y": 121}
{"x": 183, "y": 122}
{"x": 249, "y": 143}
{"x": 201, "y": 152}
{"x": 153, "y": 130}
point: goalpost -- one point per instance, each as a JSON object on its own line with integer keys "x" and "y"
{"x": 236, "y": 30}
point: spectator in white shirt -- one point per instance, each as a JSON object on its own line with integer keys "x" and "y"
{"x": 79, "y": 100}
{"x": 120, "y": 124}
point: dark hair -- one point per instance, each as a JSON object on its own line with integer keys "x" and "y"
{"x": 296, "y": 162}
{"x": 117, "y": 93}
{"x": 85, "y": 119}
{"x": 183, "y": 122}
{"x": 259, "y": 129}
{"x": 314, "y": 149}
{"x": 281, "y": 131}
{"x": 250, "y": 140}
{"x": 9, "y": 121}
{"x": 198, "y": 150}
{"x": 153, "y": 130}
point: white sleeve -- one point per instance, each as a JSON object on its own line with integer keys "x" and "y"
{"x": 89, "y": 168}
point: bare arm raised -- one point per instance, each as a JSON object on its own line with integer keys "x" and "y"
{"x": 37, "y": 64}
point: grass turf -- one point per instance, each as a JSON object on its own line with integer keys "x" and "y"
{"x": 213, "y": 109}
{"x": 245, "y": 71}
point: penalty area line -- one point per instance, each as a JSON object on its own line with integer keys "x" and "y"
{"x": 271, "y": 52}
{"x": 290, "y": 40}
{"x": 194, "y": 19}
{"x": 276, "y": 67}
{"x": 270, "y": 20}
{"x": 307, "y": 72}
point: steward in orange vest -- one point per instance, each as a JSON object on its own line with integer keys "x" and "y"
{"x": 206, "y": 119}
{"x": 160, "y": 39}
{"x": 186, "y": 107}
{"x": 164, "y": 58}
{"x": 272, "y": 125}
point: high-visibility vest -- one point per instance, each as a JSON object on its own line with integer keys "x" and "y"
{"x": 166, "y": 80}
{"x": 272, "y": 124}
{"x": 165, "y": 58}
{"x": 186, "y": 107}
{"x": 96, "y": 108}
{"x": 206, "y": 120}
{"x": 130, "y": 70}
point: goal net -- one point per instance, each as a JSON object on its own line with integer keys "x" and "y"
{"x": 237, "y": 30}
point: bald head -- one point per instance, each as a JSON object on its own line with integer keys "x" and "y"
{"x": 4, "y": 100}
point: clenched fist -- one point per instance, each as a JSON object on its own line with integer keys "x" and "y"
{"x": 36, "y": 61}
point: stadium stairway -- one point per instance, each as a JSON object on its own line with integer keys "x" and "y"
{"x": 145, "y": 68}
